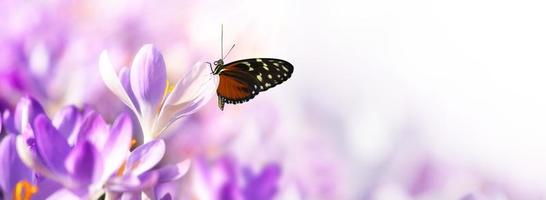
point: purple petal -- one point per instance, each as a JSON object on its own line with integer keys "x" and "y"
{"x": 145, "y": 157}
{"x": 83, "y": 163}
{"x": 131, "y": 183}
{"x": 118, "y": 145}
{"x": 25, "y": 112}
{"x": 46, "y": 187}
{"x": 173, "y": 172}
{"x": 12, "y": 169}
{"x": 229, "y": 191}
{"x": 166, "y": 191}
{"x": 94, "y": 129}
{"x": 27, "y": 151}
{"x": 67, "y": 121}
{"x": 131, "y": 196}
{"x": 148, "y": 76}
{"x": 64, "y": 194}
{"x": 263, "y": 186}
{"x": 9, "y": 124}
{"x": 51, "y": 145}
{"x": 125, "y": 78}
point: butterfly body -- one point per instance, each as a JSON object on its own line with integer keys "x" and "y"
{"x": 242, "y": 80}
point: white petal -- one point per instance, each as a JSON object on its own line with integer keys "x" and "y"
{"x": 189, "y": 94}
{"x": 112, "y": 81}
{"x": 192, "y": 85}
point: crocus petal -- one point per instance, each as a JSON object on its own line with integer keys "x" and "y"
{"x": 131, "y": 196}
{"x": 12, "y": 169}
{"x": 32, "y": 160}
{"x": 67, "y": 121}
{"x": 64, "y": 194}
{"x": 9, "y": 122}
{"x": 117, "y": 147}
{"x": 194, "y": 83}
{"x": 25, "y": 112}
{"x": 94, "y": 129}
{"x": 148, "y": 80}
{"x": 148, "y": 76}
{"x": 189, "y": 94}
{"x": 131, "y": 183}
{"x": 145, "y": 157}
{"x": 83, "y": 163}
{"x": 46, "y": 187}
{"x": 166, "y": 191}
{"x": 125, "y": 76}
{"x": 173, "y": 172}
{"x": 112, "y": 81}
{"x": 263, "y": 186}
{"x": 51, "y": 145}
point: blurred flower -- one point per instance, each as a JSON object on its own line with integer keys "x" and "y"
{"x": 228, "y": 181}
{"x": 154, "y": 100}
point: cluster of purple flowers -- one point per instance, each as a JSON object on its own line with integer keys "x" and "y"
{"x": 77, "y": 154}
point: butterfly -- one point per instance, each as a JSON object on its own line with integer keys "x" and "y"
{"x": 242, "y": 80}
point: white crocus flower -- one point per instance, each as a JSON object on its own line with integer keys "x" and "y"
{"x": 145, "y": 89}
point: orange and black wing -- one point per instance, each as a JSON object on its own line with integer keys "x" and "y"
{"x": 241, "y": 80}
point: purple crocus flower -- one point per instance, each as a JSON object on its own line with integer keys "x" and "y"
{"x": 85, "y": 155}
{"x": 155, "y": 101}
{"x": 81, "y": 157}
{"x": 15, "y": 177}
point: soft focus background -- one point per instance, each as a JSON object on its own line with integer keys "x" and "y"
{"x": 389, "y": 99}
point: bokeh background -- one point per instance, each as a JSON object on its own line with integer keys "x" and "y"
{"x": 389, "y": 99}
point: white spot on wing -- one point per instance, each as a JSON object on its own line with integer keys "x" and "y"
{"x": 250, "y": 69}
{"x": 258, "y": 60}
{"x": 259, "y": 77}
{"x": 246, "y": 63}
{"x": 269, "y": 76}
{"x": 267, "y": 85}
{"x": 285, "y": 69}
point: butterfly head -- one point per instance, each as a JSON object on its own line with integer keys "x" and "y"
{"x": 218, "y": 66}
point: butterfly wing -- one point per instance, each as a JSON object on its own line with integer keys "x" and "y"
{"x": 269, "y": 72}
{"x": 236, "y": 87}
{"x": 241, "y": 80}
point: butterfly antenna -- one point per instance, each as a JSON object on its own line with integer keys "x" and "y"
{"x": 222, "y": 41}
{"x": 228, "y": 51}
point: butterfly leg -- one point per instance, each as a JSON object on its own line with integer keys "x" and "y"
{"x": 221, "y": 104}
{"x": 210, "y": 66}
